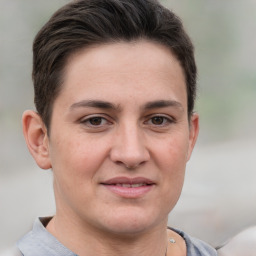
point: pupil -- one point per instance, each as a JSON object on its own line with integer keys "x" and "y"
{"x": 157, "y": 120}
{"x": 95, "y": 120}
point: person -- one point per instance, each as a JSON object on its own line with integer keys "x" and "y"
{"x": 115, "y": 85}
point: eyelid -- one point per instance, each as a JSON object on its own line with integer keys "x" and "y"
{"x": 167, "y": 118}
{"x": 87, "y": 118}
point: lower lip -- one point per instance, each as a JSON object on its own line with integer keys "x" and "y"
{"x": 129, "y": 192}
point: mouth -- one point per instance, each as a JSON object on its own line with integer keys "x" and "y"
{"x": 129, "y": 187}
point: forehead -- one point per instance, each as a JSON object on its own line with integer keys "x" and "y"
{"x": 140, "y": 68}
{"x": 122, "y": 54}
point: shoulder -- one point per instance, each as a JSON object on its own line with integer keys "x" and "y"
{"x": 196, "y": 247}
{"x": 40, "y": 242}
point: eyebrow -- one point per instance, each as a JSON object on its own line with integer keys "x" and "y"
{"x": 94, "y": 104}
{"x": 108, "y": 105}
{"x": 163, "y": 104}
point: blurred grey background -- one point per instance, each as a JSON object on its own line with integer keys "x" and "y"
{"x": 219, "y": 196}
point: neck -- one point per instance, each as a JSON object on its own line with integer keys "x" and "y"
{"x": 85, "y": 240}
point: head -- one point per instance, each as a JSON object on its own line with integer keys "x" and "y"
{"x": 114, "y": 89}
{"x": 82, "y": 24}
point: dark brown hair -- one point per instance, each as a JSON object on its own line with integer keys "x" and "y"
{"x": 83, "y": 23}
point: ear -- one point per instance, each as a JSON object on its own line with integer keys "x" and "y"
{"x": 193, "y": 133}
{"x": 36, "y": 137}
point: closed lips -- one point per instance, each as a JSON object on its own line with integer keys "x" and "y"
{"x": 130, "y": 185}
{"x": 129, "y": 182}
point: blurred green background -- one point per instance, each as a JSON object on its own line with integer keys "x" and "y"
{"x": 220, "y": 190}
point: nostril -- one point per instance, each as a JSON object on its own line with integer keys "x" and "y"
{"x": 130, "y": 166}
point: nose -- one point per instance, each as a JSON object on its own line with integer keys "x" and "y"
{"x": 128, "y": 148}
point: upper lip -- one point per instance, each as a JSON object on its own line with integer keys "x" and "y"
{"x": 128, "y": 180}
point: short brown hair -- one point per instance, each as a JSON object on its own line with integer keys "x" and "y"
{"x": 84, "y": 23}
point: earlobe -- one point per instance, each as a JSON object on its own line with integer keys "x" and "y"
{"x": 193, "y": 133}
{"x": 36, "y": 137}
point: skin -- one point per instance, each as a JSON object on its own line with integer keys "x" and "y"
{"x": 122, "y": 112}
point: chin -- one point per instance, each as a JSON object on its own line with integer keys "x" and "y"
{"x": 130, "y": 223}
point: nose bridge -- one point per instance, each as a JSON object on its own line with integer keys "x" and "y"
{"x": 129, "y": 146}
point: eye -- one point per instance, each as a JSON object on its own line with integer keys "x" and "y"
{"x": 95, "y": 121}
{"x": 159, "y": 121}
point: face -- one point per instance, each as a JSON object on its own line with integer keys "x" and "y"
{"x": 120, "y": 137}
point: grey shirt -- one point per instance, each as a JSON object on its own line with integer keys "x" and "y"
{"x": 39, "y": 242}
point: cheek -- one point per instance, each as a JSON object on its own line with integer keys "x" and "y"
{"x": 79, "y": 161}
{"x": 172, "y": 161}
{"x": 172, "y": 153}
{"x": 74, "y": 169}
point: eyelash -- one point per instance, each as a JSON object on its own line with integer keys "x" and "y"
{"x": 88, "y": 121}
{"x": 166, "y": 121}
